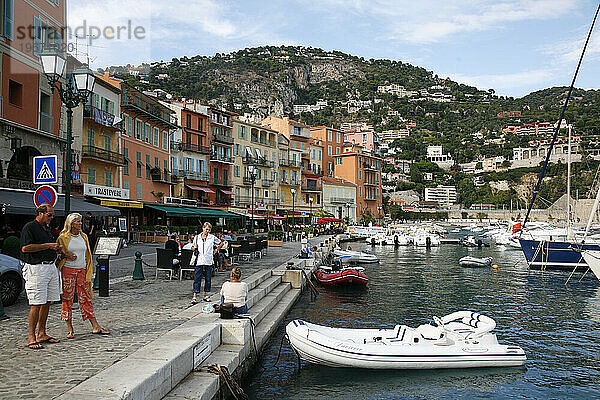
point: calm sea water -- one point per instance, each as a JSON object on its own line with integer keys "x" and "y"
{"x": 557, "y": 325}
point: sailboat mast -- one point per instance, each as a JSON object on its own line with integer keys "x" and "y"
{"x": 569, "y": 185}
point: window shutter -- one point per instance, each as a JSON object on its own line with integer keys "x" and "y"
{"x": 9, "y": 18}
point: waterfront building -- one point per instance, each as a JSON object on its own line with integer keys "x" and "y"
{"x": 255, "y": 145}
{"x": 30, "y": 113}
{"x": 333, "y": 141}
{"x": 220, "y": 128}
{"x": 443, "y": 195}
{"x": 290, "y": 166}
{"x": 339, "y": 198}
{"x": 492, "y": 164}
{"x": 367, "y": 139}
{"x": 191, "y": 151}
{"x": 146, "y": 145}
{"x": 391, "y": 135}
{"x": 102, "y": 160}
{"x": 363, "y": 168}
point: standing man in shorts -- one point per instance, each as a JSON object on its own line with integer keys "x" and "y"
{"x": 40, "y": 273}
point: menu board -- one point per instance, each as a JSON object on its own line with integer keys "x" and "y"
{"x": 108, "y": 246}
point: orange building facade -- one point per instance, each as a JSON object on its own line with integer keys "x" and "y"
{"x": 30, "y": 114}
{"x": 363, "y": 169}
{"x": 333, "y": 142}
{"x": 221, "y": 158}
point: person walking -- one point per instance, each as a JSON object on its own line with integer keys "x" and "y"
{"x": 42, "y": 284}
{"x": 76, "y": 266}
{"x": 205, "y": 246}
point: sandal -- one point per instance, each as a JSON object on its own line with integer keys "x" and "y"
{"x": 70, "y": 335}
{"x": 102, "y": 331}
{"x": 50, "y": 339}
{"x": 34, "y": 346}
{"x": 194, "y": 301}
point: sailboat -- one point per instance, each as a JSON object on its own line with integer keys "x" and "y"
{"x": 556, "y": 249}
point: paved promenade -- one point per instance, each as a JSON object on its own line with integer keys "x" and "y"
{"x": 136, "y": 312}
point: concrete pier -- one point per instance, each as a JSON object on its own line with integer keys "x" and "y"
{"x": 175, "y": 364}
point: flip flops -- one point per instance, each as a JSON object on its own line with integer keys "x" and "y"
{"x": 194, "y": 301}
{"x": 101, "y": 332}
{"x": 34, "y": 346}
{"x": 50, "y": 339}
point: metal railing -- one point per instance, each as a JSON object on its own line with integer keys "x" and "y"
{"x": 183, "y": 146}
{"x": 199, "y": 176}
{"x": 289, "y": 182}
{"x": 257, "y": 161}
{"x": 342, "y": 200}
{"x": 131, "y": 101}
{"x": 289, "y": 163}
{"x": 248, "y": 180}
{"x": 268, "y": 182}
{"x": 311, "y": 187}
{"x": 221, "y": 182}
{"x": 219, "y": 137}
{"x": 102, "y": 154}
{"x": 221, "y": 158}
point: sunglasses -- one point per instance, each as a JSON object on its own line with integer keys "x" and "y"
{"x": 50, "y": 214}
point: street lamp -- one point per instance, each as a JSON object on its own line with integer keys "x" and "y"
{"x": 379, "y": 211}
{"x": 252, "y": 175}
{"x": 79, "y": 85}
{"x": 348, "y": 212}
{"x": 293, "y": 190}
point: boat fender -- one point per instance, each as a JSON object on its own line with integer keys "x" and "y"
{"x": 495, "y": 266}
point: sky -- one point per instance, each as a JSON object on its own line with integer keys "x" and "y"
{"x": 512, "y": 46}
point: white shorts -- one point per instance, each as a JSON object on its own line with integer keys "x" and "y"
{"x": 42, "y": 283}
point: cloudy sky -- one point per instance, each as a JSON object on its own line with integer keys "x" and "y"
{"x": 512, "y": 46}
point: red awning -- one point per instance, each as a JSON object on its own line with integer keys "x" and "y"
{"x": 229, "y": 192}
{"x": 277, "y": 217}
{"x": 326, "y": 220}
{"x": 200, "y": 188}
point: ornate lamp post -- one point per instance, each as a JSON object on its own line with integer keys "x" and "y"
{"x": 252, "y": 171}
{"x": 379, "y": 212}
{"x": 79, "y": 85}
{"x": 293, "y": 190}
{"x": 348, "y": 212}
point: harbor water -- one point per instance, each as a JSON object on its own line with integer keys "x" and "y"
{"x": 557, "y": 325}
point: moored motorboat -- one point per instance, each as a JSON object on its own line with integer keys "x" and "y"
{"x": 474, "y": 262}
{"x": 460, "y": 340}
{"x": 359, "y": 257}
{"x": 341, "y": 277}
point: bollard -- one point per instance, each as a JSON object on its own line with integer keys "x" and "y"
{"x": 96, "y": 284}
{"x": 138, "y": 271}
{"x": 104, "y": 273}
{"x": 3, "y": 315}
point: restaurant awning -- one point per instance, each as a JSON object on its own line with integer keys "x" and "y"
{"x": 200, "y": 188}
{"x": 120, "y": 203}
{"x": 21, "y": 202}
{"x": 229, "y": 192}
{"x": 174, "y": 211}
{"x": 326, "y": 220}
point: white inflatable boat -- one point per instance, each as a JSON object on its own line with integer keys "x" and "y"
{"x": 356, "y": 256}
{"x": 474, "y": 262}
{"x": 460, "y": 340}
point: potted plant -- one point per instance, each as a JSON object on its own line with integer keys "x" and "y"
{"x": 275, "y": 239}
{"x": 160, "y": 233}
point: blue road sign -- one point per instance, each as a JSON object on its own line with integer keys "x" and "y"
{"x": 45, "y": 170}
{"x": 45, "y": 194}
{"x": 304, "y": 213}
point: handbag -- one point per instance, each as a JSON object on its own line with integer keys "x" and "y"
{"x": 226, "y": 310}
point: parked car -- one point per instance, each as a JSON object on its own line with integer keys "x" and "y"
{"x": 11, "y": 279}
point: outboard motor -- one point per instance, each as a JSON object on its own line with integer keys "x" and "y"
{"x": 428, "y": 242}
{"x": 396, "y": 243}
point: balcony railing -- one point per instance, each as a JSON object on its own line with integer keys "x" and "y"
{"x": 219, "y": 137}
{"x": 102, "y": 155}
{"x": 243, "y": 200}
{"x": 316, "y": 171}
{"x": 221, "y": 158}
{"x": 160, "y": 177}
{"x": 370, "y": 197}
{"x": 221, "y": 182}
{"x": 289, "y": 182}
{"x": 257, "y": 161}
{"x": 311, "y": 187}
{"x": 101, "y": 117}
{"x": 199, "y": 176}
{"x": 45, "y": 122}
{"x": 152, "y": 111}
{"x": 248, "y": 180}
{"x": 183, "y": 146}
{"x": 268, "y": 182}
{"x": 289, "y": 163}
{"x": 370, "y": 167}
{"x": 341, "y": 200}
{"x": 371, "y": 183}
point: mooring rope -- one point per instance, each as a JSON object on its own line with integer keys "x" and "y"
{"x": 232, "y": 385}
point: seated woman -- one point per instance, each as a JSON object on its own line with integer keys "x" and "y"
{"x": 235, "y": 292}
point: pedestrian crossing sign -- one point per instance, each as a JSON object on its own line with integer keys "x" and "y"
{"x": 45, "y": 170}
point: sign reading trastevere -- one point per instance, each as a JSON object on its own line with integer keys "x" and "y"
{"x": 105, "y": 191}
{"x": 45, "y": 170}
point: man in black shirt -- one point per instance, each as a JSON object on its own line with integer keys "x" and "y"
{"x": 173, "y": 245}
{"x": 42, "y": 283}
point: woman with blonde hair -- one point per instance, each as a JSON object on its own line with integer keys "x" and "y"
{"x": 76, "y": 266}
{"x": 236, "y": 292}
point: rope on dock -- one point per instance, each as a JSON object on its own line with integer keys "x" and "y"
{"x": 232, "y": 385}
